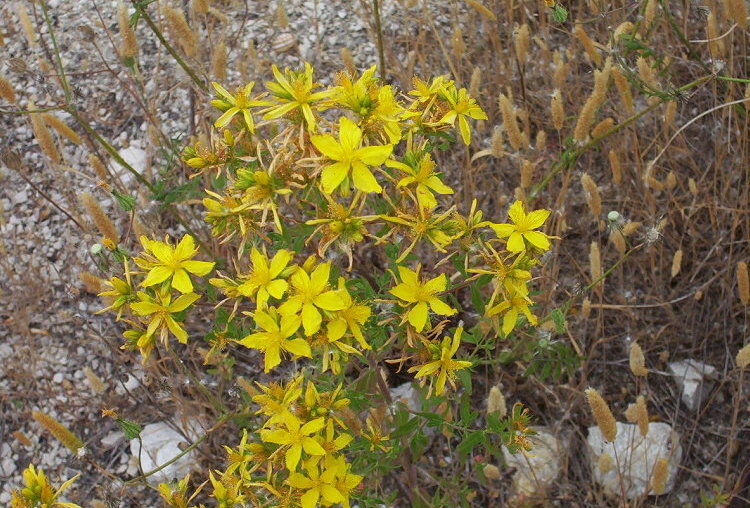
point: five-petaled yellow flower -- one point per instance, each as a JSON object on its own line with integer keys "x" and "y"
{"x": 350, "y": 161}
{"x": 423, "y": 294}
{"x": 231, "y": 105}
{"x": 161, "y": 309}
{"x": 172, "y": 262}
{"x": 351, "y": 316}
{"x": 516, "y": 304}
{"x": 463, "y": 106}
{"x": 311, "y": 293}
{"x": 316, "y": 485}
{"x": 444, "y": 365}
{"x": 424, "y": 178}
{"x": 275, "y": 337}
{"x": 264, "y": 280}
{"x": 523, "y": 228}
{"x": 294, "y": 90}
{"x": 297, "y": 437}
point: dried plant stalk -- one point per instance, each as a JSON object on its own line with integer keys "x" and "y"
{"x": 100, "y": 219}
{"x": 593, "y": 198}
{"x": 602, "y": 414}
{"x": 541, "y": 141}
{"x": 521, "y": 42}
{"x": 496, "y": 402}
{"x": 743, "y": 357}
{"x": 219, "y": 61}
{"x": 743, "y": 283}
{"x": 595, "y": 265}
{"x": 527, "y": 173}
{"x": 491, "y": 472}
{"x": 598, "y": 94}
{"x": 586, "y": 308}
{"x": 497, "y": 146}
{"x": 738, "y": 12}
{"x": 457, "y": 43}
{"x": 99, "y": 170}
{"x": 26, "y": 25}
{"x": 638, "y": 413}
{"x": 95, "y": 383}
{"x": 623, "y": 88}
{"x": 659, "y": 479}
{"x": 510, "y": 121}
{"x": 57, "y": 429}
{"x": 128, "y": 43}
{"x": 637, "y": 360}
{"x": 676, "y": 262}
{"x": 562, "y": 69}
{"x": 614, "y": 165}
{"x": 556, "y": 107}
{"x": 181, "y": 32}
{"x": 476, "y": 80}
{"x": 588, "y": 44}
{"x": 348, "y": 60}
{"x": 91, "y": 283}
{"x": 61, "y": 128}
{"x": 605, "y": 463}
{"x": 6, "y": 91}
{"x": 282, "y": 20}
{"x": 617, "y": 239}
{"x": 44, "y": 137}
{"x": 649, "y": 14}
{"x": 602, "y": 127}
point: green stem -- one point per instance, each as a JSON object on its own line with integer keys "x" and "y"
{"x": 58, "y": 58}
{"x": 202, "y": 85}
{"x": 30, "y": 111}
{"x": 379, "y": 31}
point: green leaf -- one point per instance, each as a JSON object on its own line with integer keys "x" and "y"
{"x": 559, "y": 14}
{"x": 406, "y": 429}
{"x": 470, "y": 440}
{"x": 126, "y": 202}
{"x": 559, "y": 318}
{"x": 131, "y": 429}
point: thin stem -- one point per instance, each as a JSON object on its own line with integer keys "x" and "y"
{"x": 58, "y": 58}
{"x": 379, "y": 31}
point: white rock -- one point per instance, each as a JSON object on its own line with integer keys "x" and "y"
{"x": 58, "y": 378}
{"x": 111, "y": 439}
{"x": 7, "y": 467}
{"x": 545, "y": 459}
{"x": 160, "y": 444}
{"x": 407, "y": 394}
{"x": 137, "y": 158}
{"x": 633, "y": 457}
{"x": 5, "y": 498}
{"x": 691, "y": 376}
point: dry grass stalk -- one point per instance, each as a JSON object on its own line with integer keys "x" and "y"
{"x": 219, "y": 61}
{"x": 743, "y": 357}
{"x": 614, "y": 165}
{"x": 638, "y": 413}
{"x": 498, "y": 146}
{"x": 743, "y": 283}
{"x": 715, "y": 45}
{"x": 100, "y": 219}
{"x": 26, "y": 25}
{"x": 21, "y": 438}
{"x": 617, "y": 239}
{"x": 659, "y": 479}
{"x": 602, "y": 127}
{"x": 561, "y": 69}
{"x": 457, "y": 43}
{"x": 637, "y": 360}
{"x": 649, "y": 14}
{"x": 91, "y": 283}
{"x": 57, "y": 429}
{"x": 623, "y": 28}
{"x": 605, "y": 463}
{"x": 521, "y": 42}
{"x": 99, "y": 170}
{"x": 44, "y": 137}
{"x": 602, "y": 414}
{"x": 282, "y": 20}
{"x": 676, "y": 263}
{"x": 128, "y": 43}
{"x": 593, "y": 198}
{"x": 556, "y": 107}
{"x": 648, "y": 75}
{"x": 598, "y": 94}
{"x": 199, "y": 6}
{"x": 623, "y": 88}
{"x": 653, "y": 183}
{"x": 348, "y": 60}
{"x": 496, "y": 402}
{"x": 476, "y": 80}
{"x": 510, "y": 121}
{"x": 95, "y": 383}
{"x": 588, "y": 44}
{"x": 692, "y": 186}
{"x": 6, "y": 91}
{"x": 670, "y": 111}
{"x": 181, "y": 32}
{"x": 671, "y": 181}
{"x": 595, "y": 265}
{"x": 737, "y": 10}
{"x": 541, "y": 141}
{"x": 61, "y": 128}
{"x": 247, "y": 387}
{"x": 527, "y": 173}
{"x": 586, "y": 308}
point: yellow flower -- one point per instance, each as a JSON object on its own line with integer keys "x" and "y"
{"x": 463, "y": 106}
{"x": 426, "y": 92}
{"x": 276, "y": 401}
{"x": 231, "y": 105}
{"x": 439, "y": 229}
{"x": 423, "y": 294}
{"x": 120, "y": 294}
{"x": 297, "y": 437}
{"x": 264, "y": 280}
{"x": 421, "y": 174}
{"x": 349, "y": 159}
{"x": 275, "y": 337}
{"x": 311, "y": 293}
{"x": 352, "y": 316}
{"x": 316, "y": 485}
{"x": 510, "y": 308}
{"x": 294, "y": 90}
{"x": 444, "y": 365}
{"x": 172, "y": 263}
{"x": 161, "y": 311}
{"x": 333, "y": 444}
{"x": 39, "y": 492}
{"x": 523, "y": 228}
{"x": 345, "y": 480}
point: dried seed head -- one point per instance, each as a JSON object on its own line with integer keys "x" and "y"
{"x": 617, "y": 239}
{"x": 715, "y": 44}
{"x": 44, "y": 137}
{"x": 6, "y": 91}
{"x": 57, "y": 429}
{"x": 676, "y": 262}
{"x": 21, "y": 438}
{"x": 637, "y": 360}
{"x": 602, "y": 128}
{"x": 743, "y": 357}
{"x": 586, "y": 308}
{"x": 510, "y": 121}
{"x": 648, "y": 15}
{"x": 595, "y": 264}
{"x": 638, "y": 413}
{"x": 91, "y": 283}
{"x": 738, "y": 12}
{"x": 99, "y": 218}
{"x": 61, "y": 128}
{"x": 693, "y": 187}
{"x": 180, "y": 31}
{"x": 593, "y": 198}
{"x": 498, "y": 146}
{"x": 588, "y": 44}
{"x": 219, "y": 61}
{"x": 561, "y": 69}
{"x": 623, "y": 88}
{"x": 630, "y": 227}
{"x": 623, "y": 28}
{"x": 541, "y": 141}
{"x": 17, "y": 65}
{"x": 521, "y": 42}
{"x": 602, "y": 414}
{"x": 743, "y": 283}
{"x": 605, "y": 463}
{"x": 348, "y": 60}
{"x": 128, "y": 43}
{"x": 671, "y": 182}
{"x": 491, "y": 472}
{"x": 556, "y": 107}
{"x": 614, "y": 165}
{"x": 670, "y": 111}
{"x": 496, "y": 402}
{"x": 199, "y": 6}
{"x": 282, "y": 20}
{"x": 88, "y": 33}
{"x": 476, "y": 80}
{"x": 659, "y": 479}
{"x": 95, "y": 383}
{"x": 99, "y": 170}
{"x": 527, "y": 174}
{"x": 26, "y": 25}
{"x": 457, "y": 43}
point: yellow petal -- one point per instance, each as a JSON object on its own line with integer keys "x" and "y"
{"x": 156, "y": 275}
{"x": 515, "y": 242}
{"x": 364, "y": 179}
{"x": 181, "y": 281}
{"x": 374, "y": 155}
{"x": 418, "y": 316}
{"x": 332, "y": 176}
